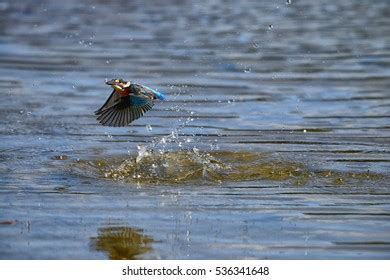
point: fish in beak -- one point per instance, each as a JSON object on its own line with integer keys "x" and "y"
{"x": 118, "y": 84}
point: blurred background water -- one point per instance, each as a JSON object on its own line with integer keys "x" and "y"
{"x": 274, "y": 142}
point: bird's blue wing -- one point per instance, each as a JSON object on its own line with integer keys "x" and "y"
{"x": 135, "y": 100}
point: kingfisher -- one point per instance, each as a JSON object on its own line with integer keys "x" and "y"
{"x": 127, "y": 102}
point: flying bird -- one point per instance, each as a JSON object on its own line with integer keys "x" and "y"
{"x": 127, "y": 102}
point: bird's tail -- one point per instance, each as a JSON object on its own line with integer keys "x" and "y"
{"x": 160, "y": 96}
{"x": 156, "y": 93}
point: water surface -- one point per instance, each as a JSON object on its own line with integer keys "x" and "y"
{"x": 274, "y": 142}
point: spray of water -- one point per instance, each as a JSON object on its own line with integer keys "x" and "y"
{"x": 174, "y": 138}
{"x": 175, "y": 148}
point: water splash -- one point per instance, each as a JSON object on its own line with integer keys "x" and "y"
{"x": 161, "y": 143}
{"x": 197, "y": 167}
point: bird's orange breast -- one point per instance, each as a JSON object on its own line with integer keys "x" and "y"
{"x": 123, "y": 93}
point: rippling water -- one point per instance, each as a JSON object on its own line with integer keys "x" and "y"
{"x": 274, "y": 142}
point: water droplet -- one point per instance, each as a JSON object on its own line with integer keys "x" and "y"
{"x": 108, "y": 61}
{"x": 142, "y": 152}
{"x": 256, "y": 45}
{"x": 270, "y": 26}
{"x": 304, "y": 131}
{"x": 288, "y": 2}
{"x": 149, "y": 127}
{"x": 247, "y": 70}
{"x": 214, "y": 146}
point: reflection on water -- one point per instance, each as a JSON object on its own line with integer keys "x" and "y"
{"x": 196, "y": 167}
{"x": 121, "y": 243}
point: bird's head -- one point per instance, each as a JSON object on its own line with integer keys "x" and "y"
{"x": 119, "y": 84}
